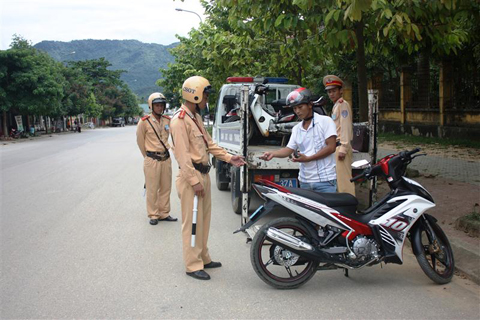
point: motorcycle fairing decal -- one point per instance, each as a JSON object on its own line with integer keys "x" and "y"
{"x": 407, "y": 212}
{"x": 321, "y": 214}
{"x": 414, "y": 183}
{"x": 358, "y": 227}
{"x": 396, "y": 226}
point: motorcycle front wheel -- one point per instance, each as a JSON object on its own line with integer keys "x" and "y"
{"x": 434, "y": 254}
{"x": 277, "y": 266}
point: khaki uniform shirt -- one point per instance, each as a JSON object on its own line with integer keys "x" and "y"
{"x": 193, "y": 144}
{"x": 147, "y": 139}
{"x": 342, "y": 116}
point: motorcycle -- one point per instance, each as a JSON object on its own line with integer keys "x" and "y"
{"x": 16, "y": 134}
{"x": 285, "y": 113}
{"x": 328, "y": 233}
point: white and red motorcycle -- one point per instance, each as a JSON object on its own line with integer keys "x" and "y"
{"x": 328, "y": 233}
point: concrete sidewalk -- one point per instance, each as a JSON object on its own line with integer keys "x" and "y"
{"x": 455, "y": 169}
{"x": 467, "y": 256}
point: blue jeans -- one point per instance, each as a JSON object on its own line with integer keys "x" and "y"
{"x": 325, "y": 186}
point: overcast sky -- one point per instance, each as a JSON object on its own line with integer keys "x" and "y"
{"x": 65, "y": 20}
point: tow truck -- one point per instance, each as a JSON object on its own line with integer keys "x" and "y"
{"x": 251, "y": 118}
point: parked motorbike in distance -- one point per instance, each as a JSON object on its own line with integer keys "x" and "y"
{"x": 328, "y": 233}
{"x": 16, "y": 134}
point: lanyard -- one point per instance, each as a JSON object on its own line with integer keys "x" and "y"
{"x": 203, "y": 133}
{"x": 157, "y": 135}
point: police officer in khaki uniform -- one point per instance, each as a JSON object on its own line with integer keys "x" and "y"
{"x": 192, "y": 144}
{"x": 342, "y": 116}
{"x": 152, "y": 140}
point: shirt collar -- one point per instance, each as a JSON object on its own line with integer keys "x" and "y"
{"x": 315, "y": 115}
{"x": 188, "y": 111}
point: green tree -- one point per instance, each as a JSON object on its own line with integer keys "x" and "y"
{"x": 304, "y": 39}
{"x": 78, "y": 92}
{"x": 93, "y": 109}
{"x": 31, "y": 83}
{"x": 116, "y": 99}
{"x": 390, "y": 28}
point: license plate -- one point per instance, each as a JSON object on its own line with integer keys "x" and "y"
{"x": 289, "y": 183}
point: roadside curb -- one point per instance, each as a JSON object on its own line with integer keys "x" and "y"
{"x": 467, "y": 259}
{"x": 37, "y": 137}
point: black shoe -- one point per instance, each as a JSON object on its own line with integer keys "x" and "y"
{"x": 212, "y": 265}
{"x": 153, "y": 221}
{"x": 200, "y": 275}
{"x": 169, "y": 218}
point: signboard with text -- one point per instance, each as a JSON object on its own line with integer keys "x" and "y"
{"x": 19, "y": 121}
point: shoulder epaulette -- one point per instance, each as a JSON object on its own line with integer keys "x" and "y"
{"x": 182, "y": 114}
{"x": 166, "y": 117}
{"x": 146, "y": 117}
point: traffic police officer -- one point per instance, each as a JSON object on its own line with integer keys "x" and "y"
{"x": 342, "y": 116}
{"x": 192, "y": 144}
{"x": 152, "y": 140}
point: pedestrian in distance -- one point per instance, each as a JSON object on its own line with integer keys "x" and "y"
{"x": 192, "y": 146}
{"x": 342, "y": 116}
{"x": 152, "y": 140}
{"x": 312, "y": 142}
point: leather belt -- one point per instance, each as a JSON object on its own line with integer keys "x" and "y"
{"x": 159, "y": 156}
{"x": 201, "y": 167}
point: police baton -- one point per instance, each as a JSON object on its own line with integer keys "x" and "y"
{"x": 194, "y": 220}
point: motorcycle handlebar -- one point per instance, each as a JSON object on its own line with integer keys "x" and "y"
{"x": 365, "y": 174}
{"x": 411, "y": 152}
{"x": 405, "y": 156}
{"x": 360, "y": 176}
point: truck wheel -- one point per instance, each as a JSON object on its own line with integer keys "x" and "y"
{"x": 221, "y": 178}
{"x": 235, "y": 191}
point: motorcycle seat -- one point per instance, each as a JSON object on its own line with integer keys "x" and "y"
{"x": 333, "y": 200}
{"x": 278, "y": 104}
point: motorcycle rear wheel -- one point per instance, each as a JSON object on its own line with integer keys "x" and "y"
{"x": 434, "y": 257}
{"x": 276, "y": 265}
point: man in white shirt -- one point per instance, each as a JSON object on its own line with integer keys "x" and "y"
{"x": 315, "y": 140}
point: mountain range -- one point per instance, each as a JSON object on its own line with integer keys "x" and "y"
{"x": 142, "y": 61}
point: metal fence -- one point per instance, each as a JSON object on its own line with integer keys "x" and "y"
{"x": 389, "y": 88}
{"x": 465, "y": 76}
{"x": 424, "y": 84}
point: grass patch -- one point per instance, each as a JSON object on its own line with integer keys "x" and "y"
{"x": 474, "y": 216}
{"x": 446, "y": 142}
{"x": 469, "y": 224}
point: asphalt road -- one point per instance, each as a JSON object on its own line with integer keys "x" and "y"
{"x": 75, "y": 243}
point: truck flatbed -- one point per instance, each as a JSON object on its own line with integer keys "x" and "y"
{"x": 254, "y": 152}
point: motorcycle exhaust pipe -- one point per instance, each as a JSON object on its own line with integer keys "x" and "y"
{"x": 288, "y": 240}
{"x": 301, "y": 248}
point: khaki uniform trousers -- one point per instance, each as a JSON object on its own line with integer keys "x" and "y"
{"x": 344, "y": 172}
{"x": 195, "y": 258}
{"x": 158, "y": 180}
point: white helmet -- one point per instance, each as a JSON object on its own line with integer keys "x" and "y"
{"x": 156, "y": 97}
